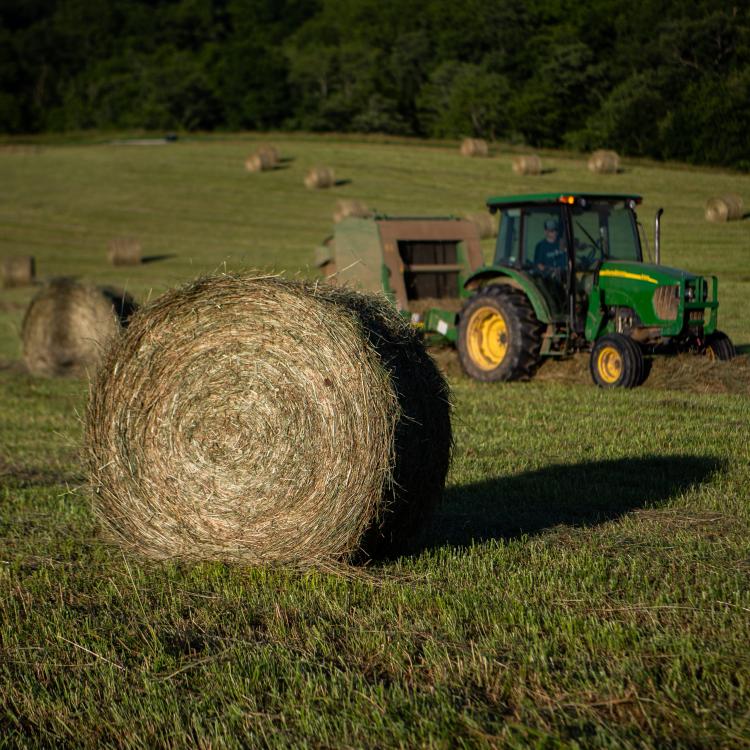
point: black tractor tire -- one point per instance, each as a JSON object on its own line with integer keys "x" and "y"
{"x": 617, "y": 362}
{"x": 720, "y": 346}
{"x": 499, "y": 336}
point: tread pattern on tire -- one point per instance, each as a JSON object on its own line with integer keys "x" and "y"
{"x": 523, "y": 357}
{"x": 721, "y": 345}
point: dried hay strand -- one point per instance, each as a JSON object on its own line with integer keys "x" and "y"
{"x": 261, "y": 420}
{"x": 485, "y": 223}
{"x": 319, "y": 177}
{"x": 347, "y": 207}
{"x": 124, "y": 251}
{"x": 727, "y": 207}
{"x": 531, "y": 165}
{"x": 68, "y": 326}
{"x": 604, "y": 162}
{"x": 18, "y": 270}
{"x": 474, "y": 147}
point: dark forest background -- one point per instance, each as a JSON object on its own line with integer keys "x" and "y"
{"x": 659, "y": 78}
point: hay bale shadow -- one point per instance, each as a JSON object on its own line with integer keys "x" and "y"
{"x": 548, "y": 170}
{"x": 156, "y": 258}
{"x": 577, "y": 495}
{"x": 340, "y": 183}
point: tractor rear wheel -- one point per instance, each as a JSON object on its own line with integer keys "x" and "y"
{"x": 617, "y": 362}
{"x": 499, "y": 337}
{"x": 720, "y": 346}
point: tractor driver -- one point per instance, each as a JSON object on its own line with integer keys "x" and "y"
{"x": 548, "y": 255}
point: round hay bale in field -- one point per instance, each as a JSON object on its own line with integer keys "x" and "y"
{"x": 485, "y": 222}
{"x": 68, "y": 325}
{"x": 320, "y": 177}
{"x": 260, "y": 420}
{"x": 270, "y": 152}
{"x": 348, "y": 207}
{"x": 18, "y": 270}
{"x": 260, "y": 161}
{"x": 604, "y": 162}
{"x": 530, "y": 164}
{"x": 474, "y": 147}
{"x": 124, "y": 251}
{"x": 725, "y": 208}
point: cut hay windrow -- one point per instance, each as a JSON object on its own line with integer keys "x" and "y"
{"x": 68, "y": 325}
{"x": 527, "y": 165}
{"x": 485, "y": 223}
{"x": 260, "y": 420}
{"x": 727, "y": 207}
{"x": 474, "y": 147}
{"x": 18, "y": 270}
{"x": 347, "y": 207}
{"x": 124, "y": 251}
{"x": 604, "y": 162}
{"x": 320, "y": 177}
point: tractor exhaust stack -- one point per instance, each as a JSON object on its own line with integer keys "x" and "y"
{"x": 657, "y": 236}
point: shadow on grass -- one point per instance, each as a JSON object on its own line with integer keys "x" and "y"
{"x": 582, "y": 494}
{"x": 340, "y": 183}
{"x": 156, "y": 258}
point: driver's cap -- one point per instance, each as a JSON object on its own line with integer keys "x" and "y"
{"x": 552, "y": 224}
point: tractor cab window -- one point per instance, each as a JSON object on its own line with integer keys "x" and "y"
{"x": 604, "y": 231}
{"x": 544, "y": 252}
{"x": 507, "y": 250}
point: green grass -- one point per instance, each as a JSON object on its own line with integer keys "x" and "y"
{"x": 585, "y": 583}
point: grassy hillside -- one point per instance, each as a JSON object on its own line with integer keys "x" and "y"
{"x": 585, "y": 582}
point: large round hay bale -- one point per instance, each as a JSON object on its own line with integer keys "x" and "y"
{"x": 347, "y": 207}
{"x": 604, "y": 162}
{"x": 18, "y": 270}
{"x": 727, "y": 207}
{"x": 529, "y": 164}
{"x": 260, "y": 161}
{"x": 474, "y": 147}
{"x": 68, "y": 326}
{"x": 262, "y": 420}
{"x": 320, "y": 177}
{"x": 485, "y": 222}
{"x": 270, "y": 152}
{"x": 124, "y": 251}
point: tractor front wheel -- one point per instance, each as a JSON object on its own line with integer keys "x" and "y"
{"x": 617, "y": 362}
{"x": 499, "y": 337}
{"x": 720, "y": 346}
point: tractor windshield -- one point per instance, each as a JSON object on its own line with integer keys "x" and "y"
{"x": 604, "y": 231}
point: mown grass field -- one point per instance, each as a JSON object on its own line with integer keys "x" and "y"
{"x": 585, "y": 583}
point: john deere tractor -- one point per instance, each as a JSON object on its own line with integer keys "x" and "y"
{"x": 568, "y": 275}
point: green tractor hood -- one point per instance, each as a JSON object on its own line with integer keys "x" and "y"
{"x": 643, "y": 273}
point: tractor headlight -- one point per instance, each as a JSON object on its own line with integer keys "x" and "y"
{"x": 690, "y": 293}
{"x": 666, "y": 301}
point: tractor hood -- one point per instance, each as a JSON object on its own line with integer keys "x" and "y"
{"x": 646, "y": 273}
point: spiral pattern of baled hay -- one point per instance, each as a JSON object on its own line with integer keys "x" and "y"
{"x": 18, "y": 270}
{"x": 474, "y": 147}
{"x": 604, "y": 162}
{"x": 259, "y": 420}
{"x": 728, "y": 207}
{"x": 530, "y": 164}
{"x": 320, "y": 177}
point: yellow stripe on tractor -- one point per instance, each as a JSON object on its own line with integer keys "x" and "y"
{"x": 628, "y": 275}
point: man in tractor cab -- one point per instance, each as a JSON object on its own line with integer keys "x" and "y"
{"x": 548, "y": 254}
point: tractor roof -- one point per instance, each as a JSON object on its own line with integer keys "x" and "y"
{"x": 507, "y": 201}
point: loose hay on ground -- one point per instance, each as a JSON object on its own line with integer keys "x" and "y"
{"x": 259, "y": 420}
{"x": 68, "y": 325}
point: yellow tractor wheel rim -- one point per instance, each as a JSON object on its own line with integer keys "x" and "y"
{"x": 609, "y": 364}
{"x": 487, "y": 339}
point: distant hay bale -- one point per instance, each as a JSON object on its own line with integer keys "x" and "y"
{"x": 348, "y": 207}
{"x": 260, "y": 420}
{"x": 320, "y": 177}
{"x": 604, "y": 162}
{"x": 485, "y": 223}
{"x": 265, "y": 157}
{"x": 728, "y": 207}
{"x": 18, "y": 270}
{"x": 68, "y": 325}
{"x": 474, "y": 147}
{"x": 270, "y": 152}
{"x": 124, "y": 251}
{"x": 530, "y": 164}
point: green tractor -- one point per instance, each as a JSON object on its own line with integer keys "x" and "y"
{"x": 568, "y": 275}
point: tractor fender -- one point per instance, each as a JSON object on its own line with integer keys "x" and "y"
{"x": 518, "y": 279}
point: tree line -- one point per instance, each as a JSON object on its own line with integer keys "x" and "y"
{"x": 659, "y": 78}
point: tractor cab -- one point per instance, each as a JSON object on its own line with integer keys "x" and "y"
{"x": 560, "y": 241}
